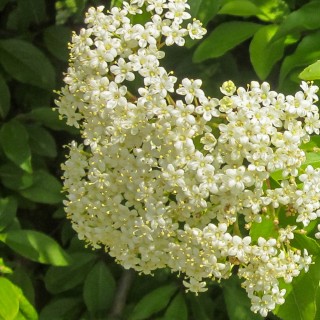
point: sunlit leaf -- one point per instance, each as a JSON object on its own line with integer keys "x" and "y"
{"x": 263, "y": 54}
{"x": 305, "y": 18}
{"x": 311, "y": 72}
{"x": 9, "y": 300}
{"x": 36, "y": 246}
{"x": 243, "y": 8}
{"x": 224, "y": 38}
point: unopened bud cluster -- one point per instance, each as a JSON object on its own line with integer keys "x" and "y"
{"x": 166, "y": 175}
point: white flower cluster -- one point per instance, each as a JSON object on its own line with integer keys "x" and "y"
{"x": 166, "y": 175}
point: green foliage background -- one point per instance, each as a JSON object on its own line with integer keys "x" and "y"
{"x": 45, "y": 271}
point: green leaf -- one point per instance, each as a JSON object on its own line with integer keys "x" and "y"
{"x": 9, "y": 300}
{"x": 45, "y": 188}
{"x": 224, "y": 38}
{"x": 56, "y": 39}
{"x": 302, "y": 241}
{"x": 313, "y": 159}
{"x": 32, "y": 11}
{"x": 300, "y": 302}
{"x": 177, "y": 309}
{"x": 41, "y": 141}
{"x": 243, "y": 8}
{"x": 4, "y": 98}
{"x": 60, "y": 279}
{"x": 305, "y": 18}
{"x": 307, "y": 51}
{"x": 311, "y": 72}
{"x": 15, "y": 143}
{"x": 50, "y": 119}
{"x": 26, "y": 63}
{"x": 36, "y": 246}
{"x": 237, "y": 301}
{"x": 204, "y": 10}
{"x": 272, "y": 10}
{"x": 312, "y": 145}
{"x": 266, "y": 229}
{"x": 98, "y": 290}
{"x": 263, "y": 54}
{"x": 3, "y": 3}
{"x": 196, "y": 304}
{"x": 8, "y": 210}
{"x": 14, "y": 178}
{"x": 26, "y": 309}
{"x": 4, "y": 269}
{"x": 62, "y": 308}
{"x": 153, "y": 302}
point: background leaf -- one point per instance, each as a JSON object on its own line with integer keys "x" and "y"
{"x": 45, "y": 188}
{"x": 263, "y": 53}
{"x": 36, "y": 246}
{"x": 14, "y": 140}
{"x": 60, "y": 279}
{"x": 8, "y": 210}
{"x": 26, "y": 63}
{"x": 237, "y": 301}
{"x": 177, "y": 308}
{"x": 224, "y": 38}
{"x": 4, "y": 98}
{"x": 98, "y": 290}
{"x": 240, "y": 8}
{"x": 153, "y": 302}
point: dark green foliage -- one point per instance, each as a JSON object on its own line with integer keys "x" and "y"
{"x": 45, "y": 271}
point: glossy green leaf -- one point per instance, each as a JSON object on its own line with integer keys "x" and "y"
{"x": 22, "y": 278}
{"x": 305, "y": 18}
{"x": 301, "y": 298}
{"x": 243, "y": 8}
{"x": 224, "y": 38}
{"x": 98, "y": 290}
{"x": 177, "y": 308}
{"x": 14, "y": 178}
{"x": 4, "y": 269}
{"x": 60, "y": 279}
{"x": 263, "y": 53}
{"x": 41, "y": 141}
{"x": 56, "y": 39}
{"x": 237, "y": 301}
{"x": 8, "y": 210}
{"x": 26, "y": 63}
{"x": 45, "y": 188}
{"x": 272, "y": 10}
{"x": 4, "y": 98}
{"x": 204, "y": 10}
{"x": 9, "y": 300}
{"x": 62, "y": 308}
{"x": 153, "y": 302}
{"x": 26, "y": 309}
{"x": 311, "y": 72}
{"x": 307, "y": 51}
{"x": 14, "y": 140}
{"x": 36, "y": 246}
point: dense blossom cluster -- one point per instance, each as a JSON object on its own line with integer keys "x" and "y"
{"x": 166, "y": 175}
